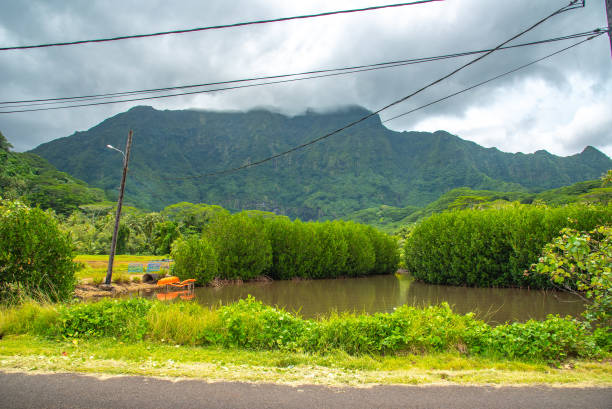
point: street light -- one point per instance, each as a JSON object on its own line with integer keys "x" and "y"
{"x": 118, "y": 150}
{"x": 111, "y": 256}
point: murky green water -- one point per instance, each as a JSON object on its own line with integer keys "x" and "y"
{"x": 384, "y": 293}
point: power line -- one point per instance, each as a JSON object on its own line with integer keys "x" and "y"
{"x": 192, "y": 30}
{"x": 493, "y": 78}
{"x": 572, "y": 5}
{"x": 343, "y": 70}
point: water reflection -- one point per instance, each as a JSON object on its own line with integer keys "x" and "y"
{"x": 383, "y": 293}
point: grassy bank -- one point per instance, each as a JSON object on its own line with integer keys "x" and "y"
{"x": 94, "y": 267}
{"x": 249, "y": 341}
{"x": 251, "y": 325}
{"x": 113, "y": 357}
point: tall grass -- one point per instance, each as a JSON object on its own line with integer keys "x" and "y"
{"x": 183, "y": 323}
{"x": 30, "y": 317}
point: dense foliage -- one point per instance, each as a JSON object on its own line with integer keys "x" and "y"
{"x": 35, "y": 256}
{"x": 582, "y": 262}
{"x": 194, "y": 258}
{"x": 241, "y": 244}
{"x": 364, "y": 166}
{"x": 250, "y": 324}
{"x": 492, "y": 247}
{"x": 122, "y": 320}
{"x": 32, "y": 179}
{"x": 92, "y": 226}
{"x": 249, "y": 244}
{"x": 140, "y": 232}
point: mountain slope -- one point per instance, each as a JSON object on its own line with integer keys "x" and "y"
{"x": 30, "y": 177}
{"x": 364, "y": 166}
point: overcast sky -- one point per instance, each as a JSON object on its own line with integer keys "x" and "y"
{"x": 560, "y": 105}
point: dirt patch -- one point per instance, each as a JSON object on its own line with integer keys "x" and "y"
{"x": 85, "y": 291}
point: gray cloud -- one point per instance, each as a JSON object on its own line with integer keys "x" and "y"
{"x": 416, "y": 31}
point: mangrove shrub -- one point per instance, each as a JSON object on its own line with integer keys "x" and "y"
{"x": 242, "y": 246}
{"x": 249, "y": 244}
{"x": 194, "y": 257}
{"x": 492, "y": 247}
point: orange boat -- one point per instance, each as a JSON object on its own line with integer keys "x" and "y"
{"x": 186, "y": 287}
{"x": 168, "y": 280}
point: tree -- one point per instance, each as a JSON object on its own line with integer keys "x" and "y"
{"x": 192, "y": 218}
{"x": 4, "y": 143}
{"x": 607, "y": 178}
{"x": 242, "y": 246}
{"x": 360, "y": 251}
{"x": 581, "y": 262}
{"x": 164, "y": 234}
{"x": 35, "y": 256}
{"x": 194, "y": 257}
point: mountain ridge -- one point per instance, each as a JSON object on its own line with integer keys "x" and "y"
{"x": 364, "y": 166}
{"x": 34, "y": 179}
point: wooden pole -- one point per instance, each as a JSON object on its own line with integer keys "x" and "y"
{"x": 111, "y": 257}
{"x": 609, "y": 14}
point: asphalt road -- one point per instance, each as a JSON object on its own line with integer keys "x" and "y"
{"x": 20, "y": 390}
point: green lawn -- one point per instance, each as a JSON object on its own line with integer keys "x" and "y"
{"x": 108, "y": 356}
{"x": 95, "y": 266}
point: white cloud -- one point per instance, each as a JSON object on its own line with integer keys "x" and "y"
{"x": 534, "y": 114}
{"x": 559, "y": 105}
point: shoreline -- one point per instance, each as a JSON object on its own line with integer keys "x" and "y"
{"x": 86, "y": 290}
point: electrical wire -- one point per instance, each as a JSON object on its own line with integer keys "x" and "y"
{"x": 493, "y": 78}
{"x": 344, "y": 70}
{"x": 217, "y": 27}
{"x": 572, "y": 5}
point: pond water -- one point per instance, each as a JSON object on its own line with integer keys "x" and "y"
{"x": 384, "y": 293}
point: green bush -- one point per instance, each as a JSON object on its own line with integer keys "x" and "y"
{"x": 124, "y": 319}
{"x": 407, "y": 329}
{"x": 194, "y": 257}
{"x": 242, "y": 246}
{"x": 492, "y": 247}
{"x": 294, "y": 248}
{"x": 360, "y": 251}
{"x": 35, "y": 256}
{"x": 582, "y": 262}
{"x": 164, "y": 234}
{"x": 328, "y": 250}
{"x": 333, "y": 250}
{"x": 554, "y": 339}
{"x": 386, "y": 251}
{"x": 250, "y": 324}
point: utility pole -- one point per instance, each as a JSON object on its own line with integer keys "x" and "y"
{"x": 609, "y": 14}
{"x": 111, "y": 257}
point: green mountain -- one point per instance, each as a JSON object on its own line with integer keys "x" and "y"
{"x": 33, "y": 179}
{"x": 364, "y": 166}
